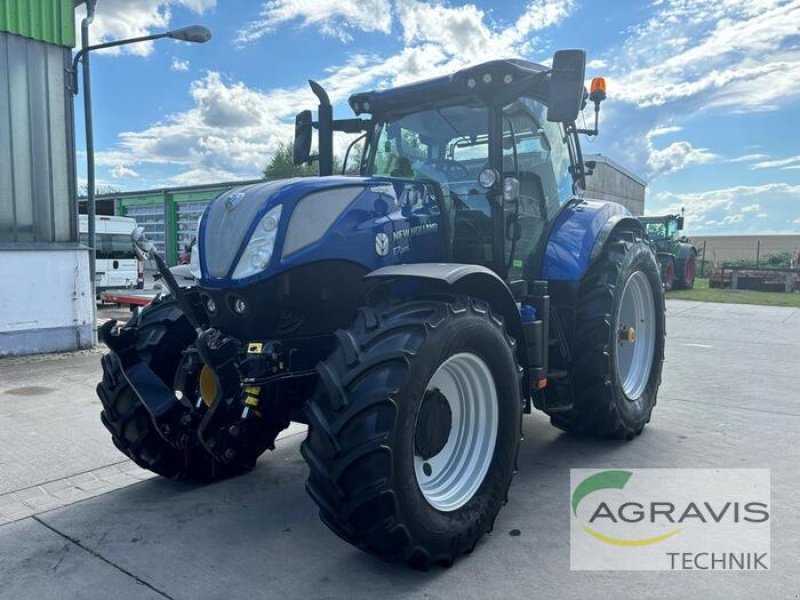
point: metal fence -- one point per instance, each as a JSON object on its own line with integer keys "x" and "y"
{"x": 764, "y": 251}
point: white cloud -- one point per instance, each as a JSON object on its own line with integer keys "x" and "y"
{"x": 732, "y": 219}
{"x": 198, "y": 6}
{"x": 122, "y": 19}
{"x": 690, "y": 58}
{"x": 123, "y": 172}
{"x": 597, "y": 63}
{"x": 731, "y": 210}
{"x": 464, "y": 30}
{"x": 228, "y": 134}
{"x": 179, "y": 64}
{"x": 664, "y": 130}
{"x": 232, "y": 129}
{"x": 675, "y": 156}
{"x": 792, "y": 162}
{"x": 336, "y": 18}
{"x": 749, "y": 157}
{"x": 729, "y": 53}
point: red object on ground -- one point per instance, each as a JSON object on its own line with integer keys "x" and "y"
{"x": 128, "y": 298}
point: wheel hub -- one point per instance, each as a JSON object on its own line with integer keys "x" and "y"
{"x": 433, "y": 424}
{"x": 456, "y": 431}
{"x": 636, "y": 334}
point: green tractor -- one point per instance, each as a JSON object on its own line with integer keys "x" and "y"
{"x": 677, "y": 258}
{"x": 410, "y": 315}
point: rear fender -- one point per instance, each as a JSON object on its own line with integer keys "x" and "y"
{"x": 579, "y": 235}
{"x": 578, "y": 238}
{"x": 469, "y": 280}
{"x": 685, "y": 251}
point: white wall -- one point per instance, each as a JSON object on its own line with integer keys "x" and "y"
{"x": 45, "y": 301}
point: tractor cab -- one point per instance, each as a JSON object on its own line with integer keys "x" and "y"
{"x": 676, "y": 255}
{"x": 663, "y": 230}
{"x": 495, "y": 161}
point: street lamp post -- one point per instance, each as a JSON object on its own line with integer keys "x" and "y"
{"x": 193, "y": 33}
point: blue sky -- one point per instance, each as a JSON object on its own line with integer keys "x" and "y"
{"x": 703, "y": 96}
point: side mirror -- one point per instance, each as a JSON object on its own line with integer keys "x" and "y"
{"x": 680, "y": 223}
{"x": 303, "y": 129}
{"x": 138, "y": 236}
{"x": 141, "y": 244}
{"x": 566, "y": 86}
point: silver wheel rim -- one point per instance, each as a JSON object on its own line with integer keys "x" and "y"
{"x": 451, "y": 478}
{"x": 635, "y": 330}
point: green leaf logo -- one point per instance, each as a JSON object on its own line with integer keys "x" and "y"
{"x": 615, "y": 480}
{"x": 599, "y": 481}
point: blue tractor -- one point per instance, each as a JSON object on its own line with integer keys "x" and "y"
{"x": 410, "y": 315}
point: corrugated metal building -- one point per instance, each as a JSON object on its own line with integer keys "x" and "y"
{"x": 611, "y": 181}
{"x": 45, "y": 294}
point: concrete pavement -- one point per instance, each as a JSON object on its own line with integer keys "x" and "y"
{"x": 729, "y": 399}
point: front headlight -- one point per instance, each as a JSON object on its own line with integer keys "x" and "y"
{"x": 258, "y": 253}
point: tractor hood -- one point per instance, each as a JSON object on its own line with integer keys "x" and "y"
{"x": 247, "y": 230}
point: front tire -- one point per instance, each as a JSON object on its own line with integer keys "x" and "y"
{"x": 401, "y": 464}
{"x": 618, "y": 349}
{"x": 163, "y": 333}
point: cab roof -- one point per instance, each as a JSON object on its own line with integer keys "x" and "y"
{"x": 493, "y": 82}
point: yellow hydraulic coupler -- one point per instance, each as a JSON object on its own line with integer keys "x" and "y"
{"x": 252, "y": 392}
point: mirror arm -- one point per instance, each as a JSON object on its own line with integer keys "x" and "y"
{"x": 594, "y": 131}
{"x": 147, "y": 250}
{"x": 351, "y": 125}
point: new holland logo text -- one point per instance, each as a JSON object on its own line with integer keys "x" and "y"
{"x": 400, "y": 237}
{"x": 414, "y": 231}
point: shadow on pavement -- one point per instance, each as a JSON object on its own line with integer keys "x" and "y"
{"x": 261, "y": 531}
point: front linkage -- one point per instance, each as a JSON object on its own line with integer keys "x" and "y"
{"x": 215, "y": 400}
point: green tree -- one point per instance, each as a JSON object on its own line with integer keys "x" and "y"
{"x": 353, "y": 166}
{"x": 281, "y": 165}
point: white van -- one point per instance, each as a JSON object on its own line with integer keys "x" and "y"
{"x": 117, "y": 265}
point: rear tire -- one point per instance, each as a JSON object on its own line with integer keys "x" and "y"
{"x": 669, "y": 275}
{"x": 609, "y": 403}
{"x": 163, "y": 334}
{"x": 364, "y": 444}
{"x": 688, "y": 273}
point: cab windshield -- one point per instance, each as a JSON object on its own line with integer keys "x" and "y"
{"x": 448, "y": 145}
{"x": 662, "y": 231}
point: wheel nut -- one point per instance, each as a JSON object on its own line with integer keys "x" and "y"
{"x": 230, "y": 453}
{"x": 234, "y": 431}
{"x": 627, "y": 334}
